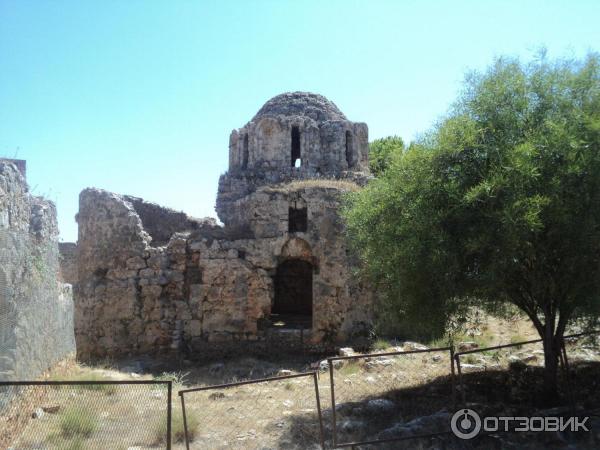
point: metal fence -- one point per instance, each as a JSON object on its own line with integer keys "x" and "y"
{"x": 375, "y": 399}
{"x": 94, "y": 415}
{"x": 370, "y": 395}
{"x": 279, "y": 412}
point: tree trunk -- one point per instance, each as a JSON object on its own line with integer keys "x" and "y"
{"x": 551, "y": 357}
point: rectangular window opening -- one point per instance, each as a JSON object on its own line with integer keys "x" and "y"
{"x": 295, "y": 144}
{"x": 298, "y": 220}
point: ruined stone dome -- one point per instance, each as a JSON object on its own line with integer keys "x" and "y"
{"x": 307, "y": 104}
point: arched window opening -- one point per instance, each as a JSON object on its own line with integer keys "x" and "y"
{"x": 349, "y": 149}
{"x": 245, "y": 152}
{"x": 292, "y": 307}
{"x": 296, "y": 161}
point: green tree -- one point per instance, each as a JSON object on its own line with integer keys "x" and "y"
{"x": 381, "y": 152}
{"x": 499, "y": 204}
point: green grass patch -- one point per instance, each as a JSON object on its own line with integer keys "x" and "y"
{"x": 78, "y": 422}
{"x": 381, "y": 344}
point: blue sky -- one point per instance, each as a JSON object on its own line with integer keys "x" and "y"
{"x": 139, "y": 97}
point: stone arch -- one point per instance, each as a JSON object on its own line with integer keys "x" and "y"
{"x": 296, "y": 248}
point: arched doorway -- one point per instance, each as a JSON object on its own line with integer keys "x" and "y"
{"x": 292, "y": 306}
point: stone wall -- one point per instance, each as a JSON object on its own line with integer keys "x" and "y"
{"x": 36, "y": 310}
{"x": 68, "y": 262}
{"x": 206, "y": 286}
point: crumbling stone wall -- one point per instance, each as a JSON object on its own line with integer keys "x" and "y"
{"x": 204, "y": 287}
{"x": 36, "y": 310}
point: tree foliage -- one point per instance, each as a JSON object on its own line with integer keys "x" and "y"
{"x": 381, "y": 152}
{"x": 499, "y": 204}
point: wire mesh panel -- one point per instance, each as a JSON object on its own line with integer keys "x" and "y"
{"x": 281, "y": 412}
{"x": 85, "y": 415}
{"x": 390, "y": 396}
{"x": 582, "y": 360}
{"x": 583, "y": 347}
{"x": 507, "y": 374}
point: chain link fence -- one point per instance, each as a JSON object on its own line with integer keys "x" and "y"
{"x": 36, "y": 312}
{"x": 94, "y": 415}
{"x": 509, "y": 373}
{"x": 384, "y": 397}
{"x": 280, "y": 412}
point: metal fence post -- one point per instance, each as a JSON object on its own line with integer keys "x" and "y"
{"x": 169, "y": 413}
{"x": 319, "y": 409}
{"x": 185, "y": 426}
{"x": 334, "y": 429}
{"x": 463, "y": 395}
{"x": 453, "y": 377}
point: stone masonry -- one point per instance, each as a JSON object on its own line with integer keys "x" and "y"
{"x": 150, "y": 279}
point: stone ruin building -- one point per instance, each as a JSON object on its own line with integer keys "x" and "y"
{"x": 36, "y": 307}
{"x": 149, "y": 279}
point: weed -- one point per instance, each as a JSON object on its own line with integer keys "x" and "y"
{"x": 516, "y": 338}
{"x": 175, "y": 377}
{"x": 177, "y": 429}
{"x": 78, "y": 422}
{"x": 381, "y": 344}
{"x": 75, "y": 444}
{"x": 470, "y": 359}
{"x": 349, "y": 369}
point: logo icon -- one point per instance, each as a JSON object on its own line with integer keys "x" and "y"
{"x": 465, "y": 424}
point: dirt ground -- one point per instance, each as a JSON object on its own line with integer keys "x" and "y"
{"x": 373, "y": 395}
